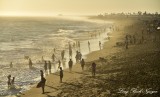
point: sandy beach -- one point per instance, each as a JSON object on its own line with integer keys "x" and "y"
{"x": 135, "y": 67}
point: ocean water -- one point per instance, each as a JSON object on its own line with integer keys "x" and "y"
{"x": 38, "y": 36}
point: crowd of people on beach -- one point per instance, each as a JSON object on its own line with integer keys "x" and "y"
{"x": 54, "y": 59}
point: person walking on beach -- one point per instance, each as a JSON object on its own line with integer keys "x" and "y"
{"x": 9, "y": 81}
{"x": 30, "y": 63}
{"x": 59, "y": 64}
{"x": 62, "y": 54}
{"x": 100, "y": 45}
{"x": 70, "y": 63}
{"x": 80, "y": 56}
{"x": 93, "y": 69}
{"x": 79, "y": 45}
{"x": 126, "y": 42}
{"x": 82, "y": 64}
{"x": 53, "y": 57}
{"x": 42, "y": 82}
{"x": 45, "y": 66}
{"x": 70, "y": 51}
{"x": 49, "y": 66}
{"x": 61, "y": 74}
{"x": 89, "y": 46}
{"x": 77, "y": 56}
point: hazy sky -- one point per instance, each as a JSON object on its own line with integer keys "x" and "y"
{"x": 54, "y": 7}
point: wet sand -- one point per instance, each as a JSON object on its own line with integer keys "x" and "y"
{"x": 106, "y": 82}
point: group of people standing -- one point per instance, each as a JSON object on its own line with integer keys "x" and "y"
{"x": 10, "y": 82}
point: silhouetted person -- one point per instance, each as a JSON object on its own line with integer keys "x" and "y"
{"x": 126, "y": 42}
{"x": 45, "y": 66}
{"x": 53, "y": 58}
{"x": 77, "y": 56}
{"x": 70, "y": 51}
{"x": 30, "y": 63}
{"x": 89, "y": 46}
{"x": 79, "y": 45}
{"x": 49, "y": 66}
{"x": 62, "y": 54}
{"x": 42, "y": 82}
{"x": 11, "y": 65}
{"x": 61, "y": 74}
{"x": 59, "y": 64}
{"x": 74, "y": 45}
{"x": 12, "y": 82}
{"x": 93, "y": 69}
{"x": 100, "y": 45}
{"x": 9, "y": 81}
{"x": 82, "y": 64}
{"x": 70, "y": 63}
{"x": 80, "y": 56}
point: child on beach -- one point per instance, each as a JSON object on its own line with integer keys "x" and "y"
{"x": 61, "y": 74}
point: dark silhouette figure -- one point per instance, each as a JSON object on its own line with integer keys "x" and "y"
{"x": 82, "y": 64}
{"x": 49, "y": 66}
{"x": 100, "y": 45}
{"x": 53, "y": 58}
{"x": 9, "y": 81}
{"x": 62, "y": 54}
{"x": 79, "y": 45}
{"x": 42, "y": 82}
{"x": 12, "y": 82}
{"x": 70, "y": 63}
{"x": 80, "y": 56}
{"x": 61, "y": 74}
{"x": 77, "y": 56}
{"x": 30, "y": 63}
{"x": 59, "y": 64}
{"x": 70, "y": 51}
{"x": 89, "y": 46}
{"x": 93, "y": 69}
{"x": 11, "y": 65}
{"x": 126, "y": 42}
{"x": 45, "y": 66}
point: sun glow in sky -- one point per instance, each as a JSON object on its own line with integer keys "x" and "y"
{"x": 75, "y": 7}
